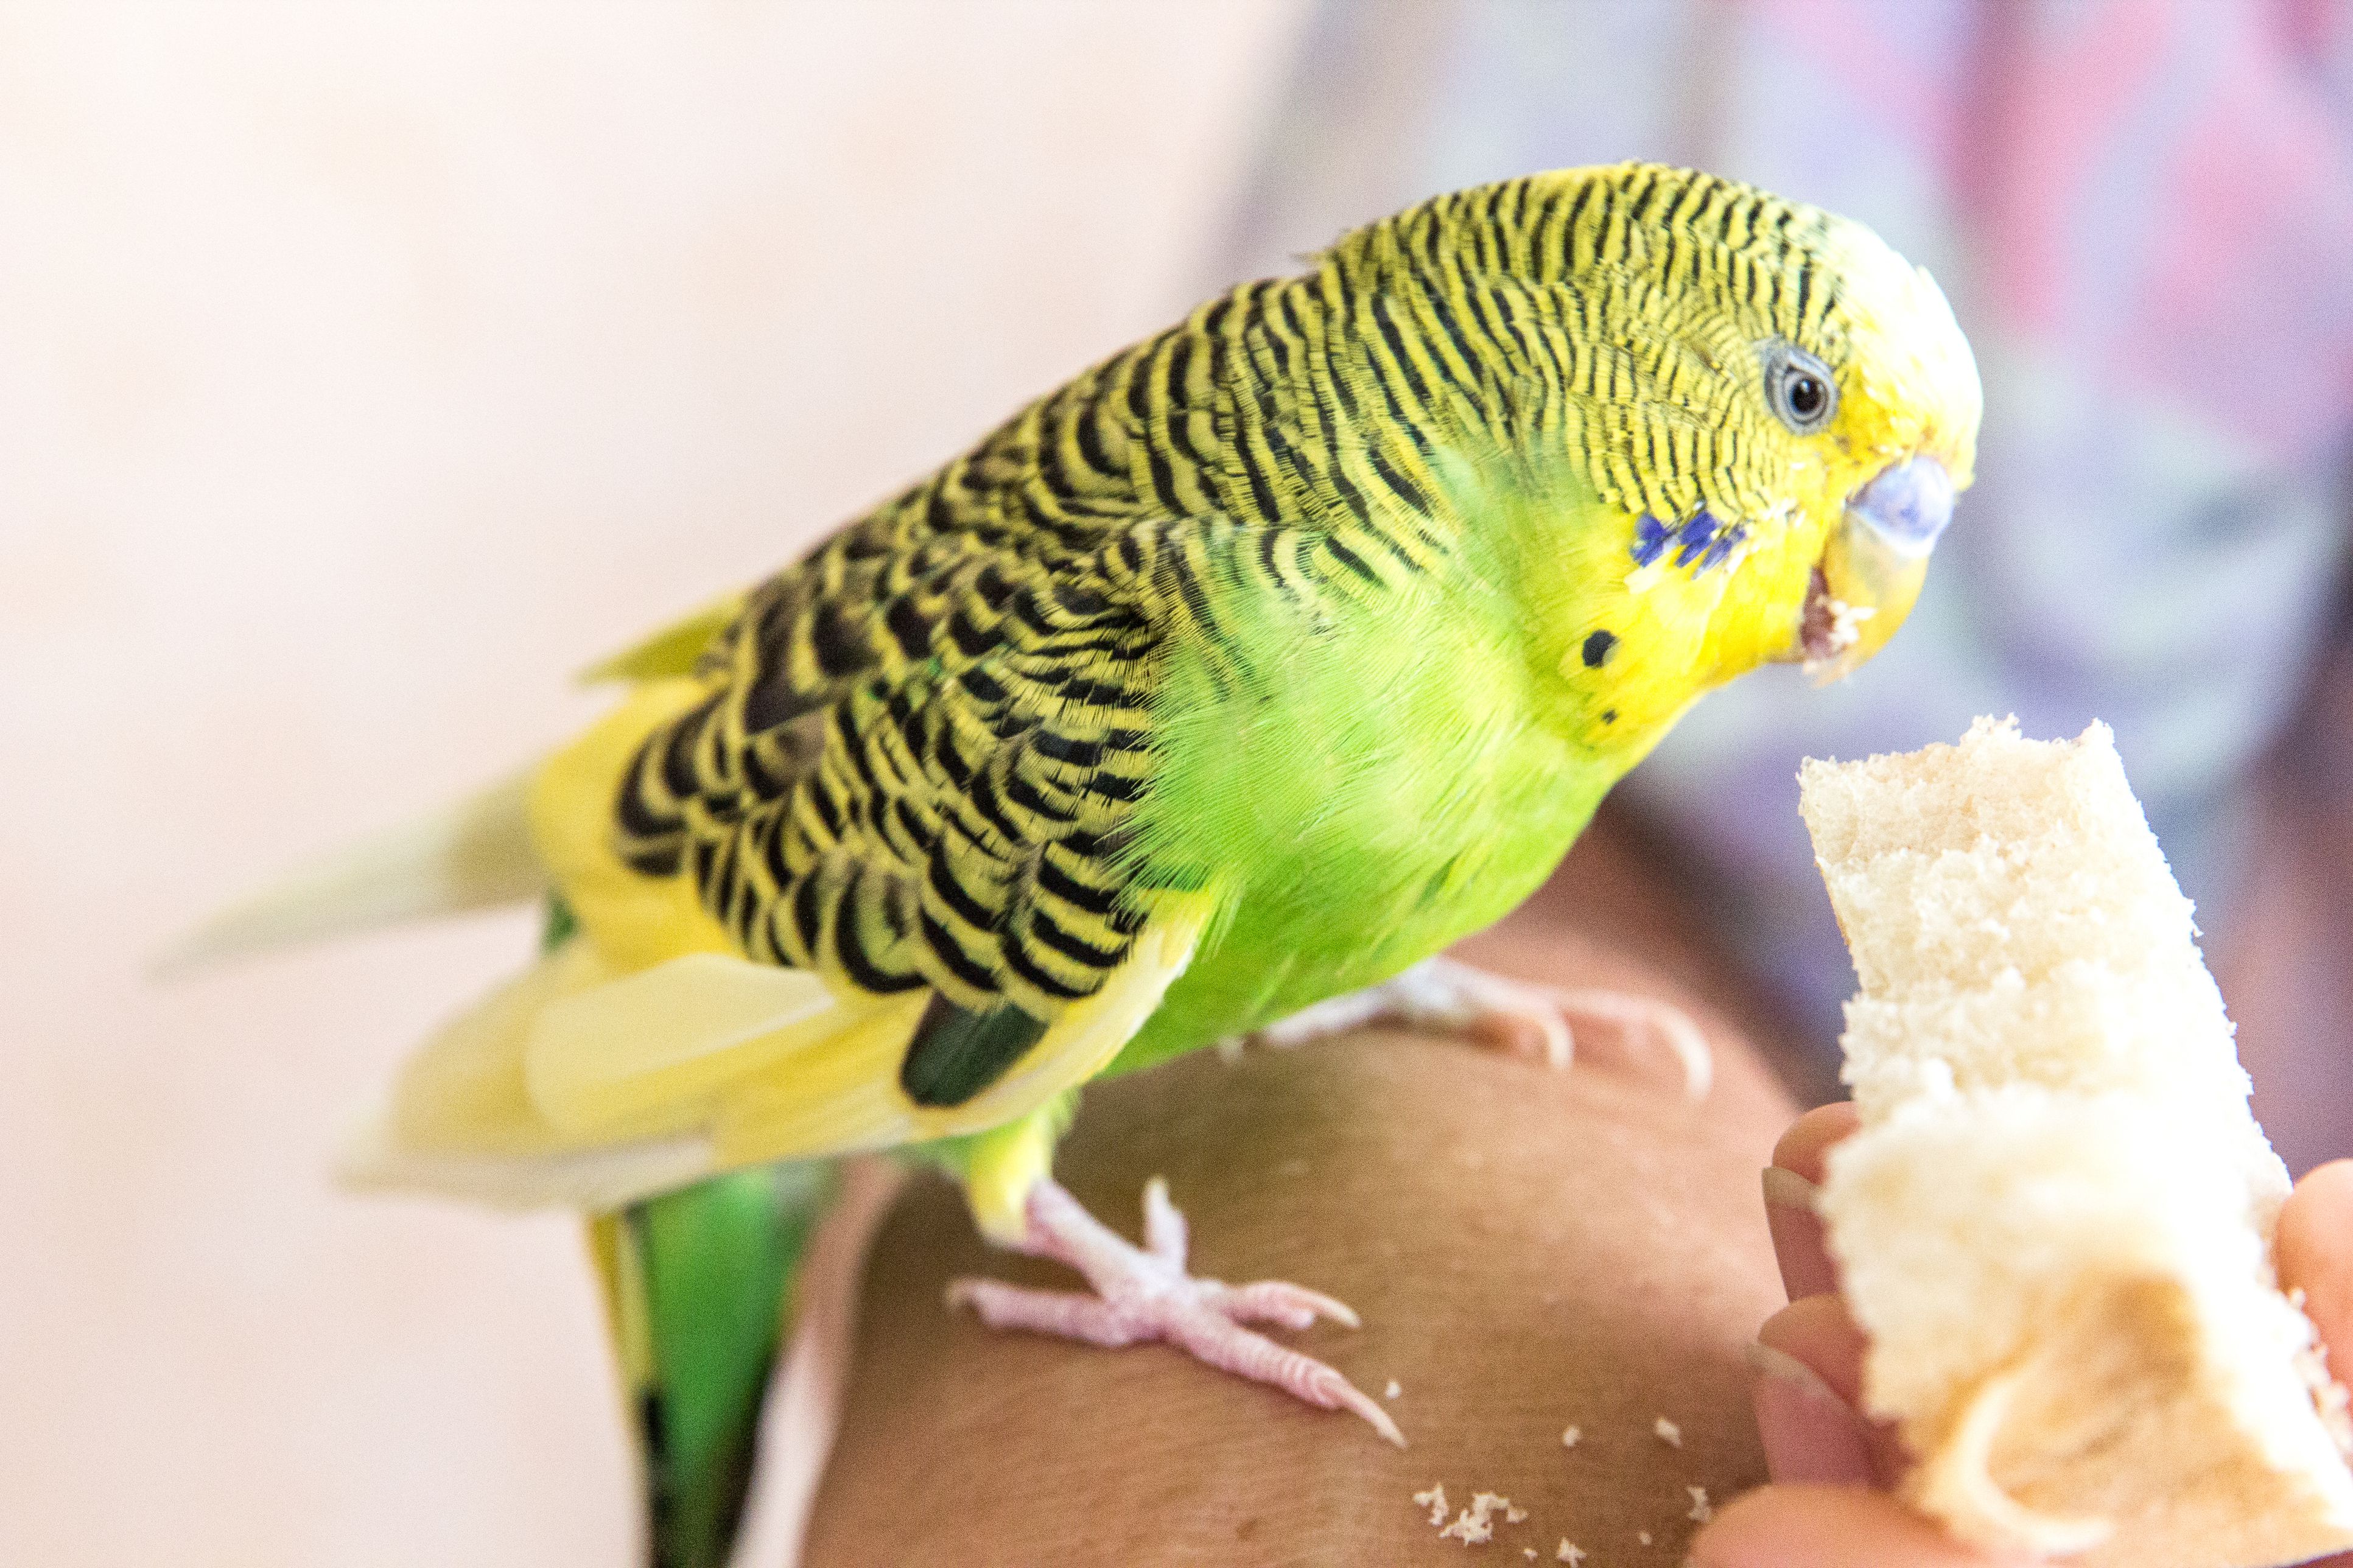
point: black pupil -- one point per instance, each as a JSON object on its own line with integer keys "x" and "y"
{"x": 1805, "y": 396}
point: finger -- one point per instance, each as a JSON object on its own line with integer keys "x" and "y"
{"x": 1804, "y": 1147}
{"x": 1792, "y": 1183}
{"x": 1818, "y": 1331}
{"x": 1829, "y": 1527}
{"x": 1811, "y": 1436}
{"x": 1819, "y": 1334}
{"x": 1801, "y": 1245}
{"x": 2314, "y": 1250}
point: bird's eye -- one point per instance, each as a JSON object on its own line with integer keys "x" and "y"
{"x": 1797, "y": 387}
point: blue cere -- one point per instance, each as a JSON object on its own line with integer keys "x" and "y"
{"x": 1650, "y": 540}
{"x": 1907, "y": 505}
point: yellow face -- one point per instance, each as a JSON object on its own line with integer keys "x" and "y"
{"x": 1895, "y": 421}
{"x": 1765, "y": 414}
{"x": 1779, "y": 408}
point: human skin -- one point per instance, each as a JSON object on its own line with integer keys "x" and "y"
{"x": 1529, "y": 1249}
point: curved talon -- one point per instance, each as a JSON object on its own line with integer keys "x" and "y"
{"x": 1163, "y": 1225}
{"x": 1292, "y": 1306}
{"x": 1664, "y": 1022}
{"x": 1342, "y": 1394}
{"x": 1539, "y": 1032}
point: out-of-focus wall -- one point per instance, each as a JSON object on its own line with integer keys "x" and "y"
{"x": 362, "y": 373}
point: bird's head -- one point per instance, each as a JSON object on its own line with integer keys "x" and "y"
{"x": 1779, "y": 407}
{"x": 1886, "y": 400}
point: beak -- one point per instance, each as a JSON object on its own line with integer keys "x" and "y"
{"x": 1872, "y": 570}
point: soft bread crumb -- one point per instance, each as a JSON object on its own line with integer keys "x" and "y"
{"x": 1668, "y": 1433}
{"x": 1846, "y": 623}
{"x": 2053, "y": 1223}
{"x": 1529, "y": 1552}
{"x": 1568, "y": 1552}
{"x": 1471, "y": 1529}
{"x": 1643, "y": 1536}
{"x": 1475, "y": 1525}
{"x": 2329, "y": 1396}
{"x": 1434, "y": 1499}
{"x": 1392, "y": 1391}
{"x": 1515, "y": 1515}
{"x": 1571, "y": 1436}
{"x": 1701, "y": 1509}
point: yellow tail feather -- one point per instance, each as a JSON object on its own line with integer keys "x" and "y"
{"x": 474, "y": 854}
{"x": 462, "y": 1120}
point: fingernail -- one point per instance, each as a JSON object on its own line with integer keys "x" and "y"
{"x": 1796, "y": 1229}
{"x": 1783, "y": 1367}
{"x": 1786, "y": 1189}
{"x": 1811, "y": 1436}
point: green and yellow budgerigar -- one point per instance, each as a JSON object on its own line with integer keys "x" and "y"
{"x": 1224, "y": 685}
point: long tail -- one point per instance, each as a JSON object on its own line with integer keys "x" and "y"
{"x": 700, "y": 1282}
{"x": 474, "y": 854}
{"x": 701, "y": 1289}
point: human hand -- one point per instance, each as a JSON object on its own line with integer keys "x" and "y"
{"x": 1831, "y": 1503}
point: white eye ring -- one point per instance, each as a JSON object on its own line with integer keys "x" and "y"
{"x": 1799, "y": 388}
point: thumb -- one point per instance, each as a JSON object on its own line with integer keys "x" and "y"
{"x": 2314, "y": 1251}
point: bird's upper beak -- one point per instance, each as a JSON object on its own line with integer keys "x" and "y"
{"x": 1872, "y": 570}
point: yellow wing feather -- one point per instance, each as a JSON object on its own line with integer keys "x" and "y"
{"x": 574, "y": 1084}
{"x": 634, "y": 921}
{"x": 844, "y": 1094}
{"x": 626, "y": 1057}
{"x": 675, "y": 649}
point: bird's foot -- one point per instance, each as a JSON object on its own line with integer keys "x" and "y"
{"x": 1144, "y": 1293}
{"x": 1518, "y": 1016}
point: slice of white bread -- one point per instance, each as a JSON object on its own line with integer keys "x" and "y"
{"x": 2055, "y": 1222}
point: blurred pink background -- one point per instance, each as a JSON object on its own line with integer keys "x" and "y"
{"x": 364, "y": 372}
